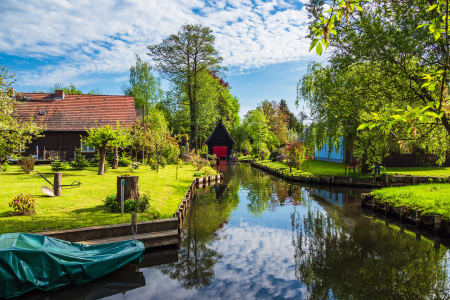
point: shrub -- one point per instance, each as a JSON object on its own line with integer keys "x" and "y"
{"x": 58, "y": 165}
{"x": 135, "y": 165}
{"x": 26, "y": 164}
{"x": 111, "y": 203}
{"x": 124, "y": 160}
{"x": 281, "y": 157}
{"x": 144, "y": 203}
{"x": 23, "y": 204}
{"x": 95, "y": 160}
{"x": 153, "y": 162}
{"x": 198, "y": 162}
{"x": 197, "y": 174}
{"x": 80, "y": 162}
{"x": 273, "y": 155}
{"x": 130, "y": 205}
{"x": 5, "y": 167}
{"x": 263, "y": 153}
{"x": 180, "y": 163}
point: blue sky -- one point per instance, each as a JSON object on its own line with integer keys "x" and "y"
{"x": 92, "y": 43}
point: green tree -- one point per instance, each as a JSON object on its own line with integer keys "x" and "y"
{"x": 143, "y": 85}
{"x": 181, "y": 57}
{"x": 257, "y": 128}
{"x": 277, "y": 118}
{"x": 73, "y": 90}
{"x": 104, "y": 137}
{"x": 14, "y": 134}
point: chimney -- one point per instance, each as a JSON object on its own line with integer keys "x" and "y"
{"x": 59, "y": 94}
{"x": 13, "y": 93}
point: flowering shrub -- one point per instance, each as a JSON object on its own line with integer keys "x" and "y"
{"x": 23, "y": 204}
{"x": 281, "y": 157}
{"x": 135, "y": 165}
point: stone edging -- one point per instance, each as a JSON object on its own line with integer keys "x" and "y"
{"x": 374, "y": 182}
{"x": 436, "y": 223}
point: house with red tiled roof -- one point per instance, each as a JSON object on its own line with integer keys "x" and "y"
{"x": 65, "y": 119}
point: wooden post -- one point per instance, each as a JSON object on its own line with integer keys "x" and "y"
{"x": 131, "y": 188}
{"x": 418, "y": 217}
{"x": 437, "y": 223}
{"x": 57, "y": 181}
{"x": 402, "y": 212}
{"x": 386, "y": 207}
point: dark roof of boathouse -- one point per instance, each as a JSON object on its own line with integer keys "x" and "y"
{"x": 220, "y": 135}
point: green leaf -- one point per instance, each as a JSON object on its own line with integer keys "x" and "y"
{"x": 313, "y": 44}
{"x": 432, "y": 114}
{"x": 372, "y": 125}
{"x": 408, "y": 108}
{"x": 359, "y": 8}
{"x": 409, "y": 129}
{"x": 319, "y": 49}
{"x": 362, "y": 126}
{"x": 431, "y": 7}
{"x": 333, "y": 31}
{"x": 422, "y": 25}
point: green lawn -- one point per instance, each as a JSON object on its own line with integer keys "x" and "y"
{"x": 320, "y": 168}
{"x": 82, "y": 206}
{"x": 247, "y": 157}
{"x": 309, "y": 168}
{"x": 431, "y": 198}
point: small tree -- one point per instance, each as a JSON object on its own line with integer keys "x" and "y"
{"x": 104, "y": 137}
{"x": 80, "y": 162}
{"x": 295, "y": 154}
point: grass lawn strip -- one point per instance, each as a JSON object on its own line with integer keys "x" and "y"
{"x": 83, "y": 206}
{"x": 324, "y": 168}
{"x": 432, "y": 199}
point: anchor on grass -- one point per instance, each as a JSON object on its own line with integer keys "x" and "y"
{"x": 57, "y": 186}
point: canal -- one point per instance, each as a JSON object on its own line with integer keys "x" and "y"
{"x": 255, "y": 236}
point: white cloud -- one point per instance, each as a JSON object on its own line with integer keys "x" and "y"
{"x": 100, "y": 37}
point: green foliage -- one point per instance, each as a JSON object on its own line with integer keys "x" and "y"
{"x": 175, "y": 51}
{"x": 80, "y": 162}
{"x": 23, "y": 204}
{"x": 4, "y": 167}
{"x": 197, "y": 174}
{"x": 14, "y": 134}
{"x": 95, "y": 159}
{"x": 130, "y": 205}
{"x": 143, "y": 85}
{"x": 111, "y": 204}
{"x": 106, "y": 136}
{"x": 58, "y": 166}
{"x": 295, "y": 154}
{"x": 72, "y": 90}
{"x": 124, "y": 160}
{"x": 263, "y": 154}
{"x": 144, "y": 203}
{"x": 273, "y": 155}
{"x": 26, "y": 164}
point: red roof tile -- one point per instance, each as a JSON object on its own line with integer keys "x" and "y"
{"x": 75, "y": 112}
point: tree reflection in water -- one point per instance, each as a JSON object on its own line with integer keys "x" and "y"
{"x": 346, "y": 258}
{"x": 197, "y": 257}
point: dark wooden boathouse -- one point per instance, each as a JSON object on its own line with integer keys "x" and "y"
{"x": 220, "y": 141}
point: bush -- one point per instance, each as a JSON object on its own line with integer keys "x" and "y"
{"x": 281, "y": 157}
{"x": 58, "y": 165}
{"x": 80, "y": 162}
{"x": 26, "y": 164}
{"x": 111, "y": 203}
{"x": 95, "y": 160}
{"x": 23, "y": 204}
{"x": 129, "y": 205}
{"x": 124, "y": 160}
{"x": 263, "y": 153}
{"x": 154, "y": 163}
{"x": 273, "y": 155}
{"x": 144, "y": 203}
{"x": 135, "y": 165}
{"x": 5, "y": 167}
{"x": 197, "y": 174}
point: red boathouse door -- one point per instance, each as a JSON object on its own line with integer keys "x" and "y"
{"x": 220, "y": 151}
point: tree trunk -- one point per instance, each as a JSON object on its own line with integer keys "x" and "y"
{"x": 131, "y": 188}
{"x": 116, "y": 158}
{"x": 101, "y": 163}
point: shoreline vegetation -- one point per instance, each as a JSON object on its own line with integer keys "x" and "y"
{"x": 83, "y": 206}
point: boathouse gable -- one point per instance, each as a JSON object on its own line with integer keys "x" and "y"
{"x": 220, "y": 142}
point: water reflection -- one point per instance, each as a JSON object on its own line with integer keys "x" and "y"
{"x": 254, "y": 236}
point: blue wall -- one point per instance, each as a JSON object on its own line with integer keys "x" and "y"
{"x": 335, "y": 155}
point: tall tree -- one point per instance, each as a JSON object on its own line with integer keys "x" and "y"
{"x": 14, "y": 134}
{"x": 257, "y": 127}
{"x": 277, "y": 118}
{"x": 143, "y": 85}
{"x": 181, "y": 57}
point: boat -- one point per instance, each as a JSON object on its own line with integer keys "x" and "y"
{"x": 30, "y": 261}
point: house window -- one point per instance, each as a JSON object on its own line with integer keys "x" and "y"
{"x": 86, "y": 148}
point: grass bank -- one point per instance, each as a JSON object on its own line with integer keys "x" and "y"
{"x": 430, "y": 198}
{"x": 321, "y": 168}
{"x": 83, "y": 206}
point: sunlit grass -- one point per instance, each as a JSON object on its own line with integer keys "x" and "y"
{"x": 83, "y": 206}
{"x": 430, "y": 198}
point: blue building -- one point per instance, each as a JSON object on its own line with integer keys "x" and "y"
{"x": 337, "y": 153}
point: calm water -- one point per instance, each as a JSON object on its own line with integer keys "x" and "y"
{"x": 257, "y": 237}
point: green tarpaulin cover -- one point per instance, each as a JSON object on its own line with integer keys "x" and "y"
{"x": 29, "y": 261}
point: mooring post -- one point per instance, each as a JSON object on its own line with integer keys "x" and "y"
{"x": 57, "y": 181}
{"x": 402, "y": 212}
{"x": 437, "y": 223}
{"x": 418, "y": 217}
{"x": 386, "y": 207}
{"x": 122, "y": 196}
